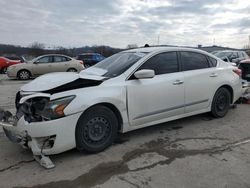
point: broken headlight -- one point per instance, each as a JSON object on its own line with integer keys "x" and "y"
{"x": 55, "y": 109}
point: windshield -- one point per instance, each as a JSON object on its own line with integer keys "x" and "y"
{"x": 116, "y": 64}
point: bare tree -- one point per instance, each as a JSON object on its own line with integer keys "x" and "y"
{"x": 37, "y": 48}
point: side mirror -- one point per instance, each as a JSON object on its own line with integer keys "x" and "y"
{"x": 144, "y": 73}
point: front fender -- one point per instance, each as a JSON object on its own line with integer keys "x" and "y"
{"x": 87, "y": 97}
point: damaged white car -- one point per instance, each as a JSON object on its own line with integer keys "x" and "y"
{"x": 129, "y": 90}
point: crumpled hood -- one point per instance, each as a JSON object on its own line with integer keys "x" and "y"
{"x": 54, "y": 80}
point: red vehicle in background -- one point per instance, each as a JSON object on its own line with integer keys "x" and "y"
{"x": 5, "y": 63}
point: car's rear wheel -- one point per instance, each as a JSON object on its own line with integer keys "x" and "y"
{"x": 221, "y": 102}
{"x": 96, "y": 129}
{"x": 23, "y": 75}
{"x": 86, "y": 65}
{"x": 71, "y": 70}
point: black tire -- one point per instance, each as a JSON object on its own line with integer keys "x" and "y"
{"x": 71, "y": 70}
{"x": 221, "y": 103}
{"x": 4, "y": 70}
{"x": 86, "y": 65}
{"x": 96, "y": 129}
{"x": 23, "y": 75}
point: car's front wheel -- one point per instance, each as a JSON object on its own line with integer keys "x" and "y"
{"x": 221, "y": 102}
{"x": 96, "y": 129}
{"x": 23, "y": 75}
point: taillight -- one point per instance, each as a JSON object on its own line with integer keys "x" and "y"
{"x": 237, "y": 71}
{"x": 81, "y": 62}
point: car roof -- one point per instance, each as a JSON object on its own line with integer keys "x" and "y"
{"x": 156, "y": 49}
{"x": 54, "y": 55}
{"x": 90, "y": 53}
{"x": 230, "y": 51}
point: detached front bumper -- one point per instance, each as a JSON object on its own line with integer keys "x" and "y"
{"x": 45, "y": 137}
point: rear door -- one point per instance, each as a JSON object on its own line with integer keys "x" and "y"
{"x": 60, "y": 63}
{"x": 156, "y": 98}
{"x": 200, "y": 76}
{"x": 43, "y": 65}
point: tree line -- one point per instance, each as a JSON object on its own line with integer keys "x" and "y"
{"x": 37, "y": 49}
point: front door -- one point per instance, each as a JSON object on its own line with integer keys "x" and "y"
{"x": 157, "y": 98}
{"x": 43, "y": 65}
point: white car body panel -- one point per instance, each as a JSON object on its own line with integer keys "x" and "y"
{"x": 50, "y": 81}
{"x": 147, "y": 105}
{"x": 141, "y": 103}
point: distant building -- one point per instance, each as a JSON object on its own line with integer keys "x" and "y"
{"x": 215, "y": 48}
{"x": 205, "y": 48}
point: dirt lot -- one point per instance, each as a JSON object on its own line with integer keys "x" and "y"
{"x": 198, "y": 151}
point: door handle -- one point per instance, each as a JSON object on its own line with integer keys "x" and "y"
{"x": 213, "y": 75}
{"x": 177, "y": 82}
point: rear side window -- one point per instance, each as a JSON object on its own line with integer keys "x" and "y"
{"x": 162, "y": 63}
{"x": 58, "y": 59}
{"x": 84, "y": 57}
{"x": 245, "y": 55}
{"x": 193, "y": 61}
{"x": 212, "y": 61}
{"x": 87, "y": 57}
{"x": 240, "y": 54}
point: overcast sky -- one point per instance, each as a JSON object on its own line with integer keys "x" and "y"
{"x": 117, "y": 23}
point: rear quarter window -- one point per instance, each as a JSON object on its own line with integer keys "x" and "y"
{"x": 212, "y": 61}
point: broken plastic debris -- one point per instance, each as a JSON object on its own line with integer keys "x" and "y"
{"x": 44, "y": 161}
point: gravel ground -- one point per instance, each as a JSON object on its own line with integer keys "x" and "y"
{"x": 198, "y": 151}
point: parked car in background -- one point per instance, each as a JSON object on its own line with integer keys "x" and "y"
{"x": 232, "y": 56}
{"x": 127, "y": 91}
{"x": 245, "y": 69}
{"x": 90, "y": 59}
{"x": 45, "y": 64}
{"x": 20, "y": 58}
{"x": 5, "y": 63}
{"x": 214, "y": 52}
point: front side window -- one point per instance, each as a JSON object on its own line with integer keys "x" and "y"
{"x": 46, "y": 59}
{"x": 193, "y": 61}
{"x": 162, "y": 63}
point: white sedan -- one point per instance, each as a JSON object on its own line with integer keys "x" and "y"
{"x": 129, "y": 90}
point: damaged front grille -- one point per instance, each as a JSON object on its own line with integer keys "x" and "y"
{"x": 41, "y": 108}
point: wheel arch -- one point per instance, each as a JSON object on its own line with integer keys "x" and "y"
{"x": 72, "y": 68}
{"x": 230, "y": 89}
{"x": 111, "y": 107}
